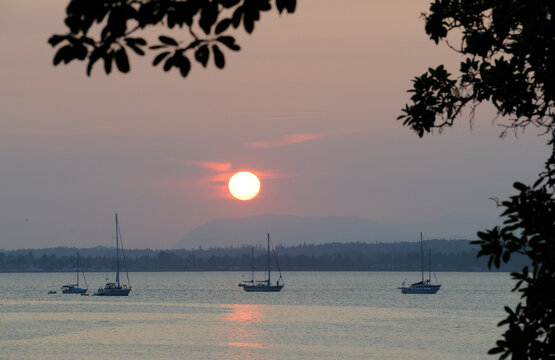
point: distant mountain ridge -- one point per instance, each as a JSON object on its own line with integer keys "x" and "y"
{"x": 290, "y": 230}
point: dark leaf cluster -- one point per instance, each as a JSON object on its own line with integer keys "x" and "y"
{"x": 509, "y": 61}
{"x": 529, "y": 229}
{"x": 109, "y": 30}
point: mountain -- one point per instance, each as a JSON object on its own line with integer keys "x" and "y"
{"x": 459, "y": 226}
{"x": 290, "y": 230}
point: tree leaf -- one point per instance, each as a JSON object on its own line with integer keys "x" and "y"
{"x": 63, "y": 54}
{"x": 167, "y": 40}
{"x": 202, "y": 54}
{"x": 229, "y": 41}
{"x": 108, "y": 58}
{"x": 140, "y": 41}
{"x": 160, "y": 57}
{"x": 169, "y": 63}
{"x": 56, "y": 39}
{"x": 135, "y": 41}
{"x": 93, "y": 58}
{"x": 495, "y": 350}
{"x": 288, "y": 5}
{"x": 222, "y": 26}
{"x": 520, "y": 186}
{"x": 237, "y": 17}
{"x": 248, "y": 22}
{"x": 193, "y": 44}
{"x": 122, "y": 61}
{"x": 219, "y": 58}
{"x": 136, "y": 49}
{"x": 184, "y": 66}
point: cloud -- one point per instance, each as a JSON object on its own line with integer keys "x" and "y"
{"x": 214, "y": 183}
{"x": 224, "y": 171}
{"x": 212, "y": 165}
{"x": 272, "y": 174}
{"x": 224, "y": 177}
{"x": 291, "y": 139}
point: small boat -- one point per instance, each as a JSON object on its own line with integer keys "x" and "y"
{"x": 116, "y": 288}
{"x": 263, "y": 285}
{"x": 51, "y": 292}
{"x": 74, "y": 288}
{"x": 423, "y": 286}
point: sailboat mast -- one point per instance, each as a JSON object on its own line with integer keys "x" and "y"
{"x": 268, "y": 259}
{"x": 429, "y": 265}
{"x": 117, "y": 250}
{"x": 252, "y": 263}
{"x": 77, "y": 268}
{"x": 422, "y": 256}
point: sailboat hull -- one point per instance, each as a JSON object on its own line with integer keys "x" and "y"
{"x": 262, "y": 288}
{"x": 73, "y": 290}
{"x": 429, "y": 289}
{"x": 112, "y": 292}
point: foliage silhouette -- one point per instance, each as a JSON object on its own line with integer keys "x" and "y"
{"x": 509, "y": 61}
{"x": 109, "y": 29}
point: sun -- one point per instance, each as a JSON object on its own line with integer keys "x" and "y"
{"x": 244, "y": 185}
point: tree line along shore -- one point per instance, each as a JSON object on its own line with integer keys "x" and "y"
{"x": 447, "y": 255}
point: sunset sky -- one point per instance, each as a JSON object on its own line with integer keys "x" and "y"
{"x": 308, "y": 104}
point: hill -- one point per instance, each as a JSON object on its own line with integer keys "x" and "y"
{"x": 290, "y": 230}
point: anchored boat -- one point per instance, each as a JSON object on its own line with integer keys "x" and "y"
{"x": 116, "y": 288}
{"x": 423, "y": 286}
{"x": 263, "y": 285}
{"x": 74, "y": 288}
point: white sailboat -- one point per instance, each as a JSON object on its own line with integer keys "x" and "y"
{"x": 423, "y": 286}
{"x": 263, "y": 285}
{"x": 116, "y": 288}
{"x": 74, "y": 288}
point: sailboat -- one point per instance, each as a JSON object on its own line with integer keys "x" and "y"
{"x": 116, "y": 288}
{"x": 74, "y": 288}
{"x": 263, "y": 285}
{"x": 423, "y": 286}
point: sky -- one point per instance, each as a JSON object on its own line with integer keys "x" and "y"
{"x": 308, "y": 104}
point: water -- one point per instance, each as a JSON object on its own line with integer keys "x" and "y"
{"x": 318, "y": 315}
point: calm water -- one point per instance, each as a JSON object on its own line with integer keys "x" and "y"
{"x": 318, "y": 315}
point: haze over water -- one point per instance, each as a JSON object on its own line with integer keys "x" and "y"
{"x": 323, "y": 315}
{"x": 308, "y": 104}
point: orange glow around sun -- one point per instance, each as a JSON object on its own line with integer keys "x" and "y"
{"x": 244, "y": 185}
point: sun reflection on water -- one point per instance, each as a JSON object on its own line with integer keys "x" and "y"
{"x": 243, "y": 329}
